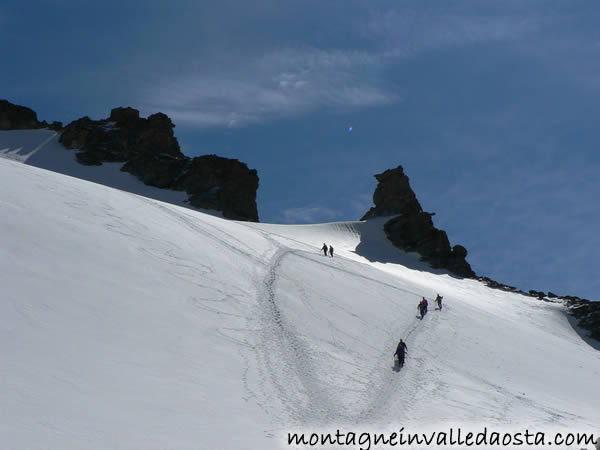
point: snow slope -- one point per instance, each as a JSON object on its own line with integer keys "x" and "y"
{"x": 132, "y": 323}
{"x": 40, "y": 148}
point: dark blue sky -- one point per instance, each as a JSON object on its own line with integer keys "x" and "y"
{"x": 491, "y": 107}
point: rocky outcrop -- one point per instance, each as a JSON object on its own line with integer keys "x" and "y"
{"x": 123, "y": 137}
{"x": 586, "y": 312}
{"x": 412, "y": 229}
{"x": 540, "y": 295}
{"x": 225, "y": 183}
{"x": 150, "y": 151}
{"x": 501, "y": 286}
{"x": 393, "y": 195}
{"x": 16, "y": 117}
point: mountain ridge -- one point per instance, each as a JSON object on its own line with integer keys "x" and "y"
{"x": 149, "y": 150}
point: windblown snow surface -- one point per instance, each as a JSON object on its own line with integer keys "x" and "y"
{"x": 41, "y": 148}
{"x": 126, "y": 322}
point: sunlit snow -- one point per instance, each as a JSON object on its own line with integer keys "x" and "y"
{"x": 127, "y": 322}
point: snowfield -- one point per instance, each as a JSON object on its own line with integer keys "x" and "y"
{"x": 130, "y": 323}
{"x": 40, "y": 148}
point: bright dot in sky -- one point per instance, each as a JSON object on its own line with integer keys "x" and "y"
{"x": 350, "y": 129}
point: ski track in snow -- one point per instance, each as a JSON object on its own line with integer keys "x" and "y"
{"x": 216, "y": 236}
{"x": 285, "y": 356}
{"x": 291, "y": 358}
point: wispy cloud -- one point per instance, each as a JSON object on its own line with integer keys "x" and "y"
{"x": 232, "y": 90}
{"x": 280, "y": 84}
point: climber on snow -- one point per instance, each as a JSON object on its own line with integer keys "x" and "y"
{"x": 400, "y": 351}
{"x": 331, "y": 251}
{"x": 438, "y": 300}
{"x": 324, "y": 248}
{"x": 422, "y": 307}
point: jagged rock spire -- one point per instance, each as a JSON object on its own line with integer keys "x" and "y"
{"x": 412, "y": 229}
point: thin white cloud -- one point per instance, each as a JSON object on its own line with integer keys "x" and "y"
{"x": 234, "y": 88}
{"x": 279, "y": 84}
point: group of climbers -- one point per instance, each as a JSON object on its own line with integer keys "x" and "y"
{"x": 422, "y": 306}
{"x": 401, "y": 349}
{"x": 324, "y": 248}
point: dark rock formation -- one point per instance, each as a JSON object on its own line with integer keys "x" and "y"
{"x": 504, "y": 287}
{"x": 586, "y": 312}
{"x": 56, "y": 126}
{"x": 15, "y": 117}
{"x": 211, "y": 180}
{"x": 496, "y": 285}
{"x": 393, "y": 195}
{"x": 124, "y": 115}
{"x": 150, "y": 151}
{"x": 413, "y": 230}
{"x": 124, "y": 137}
{"x": 538, "y": 294}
